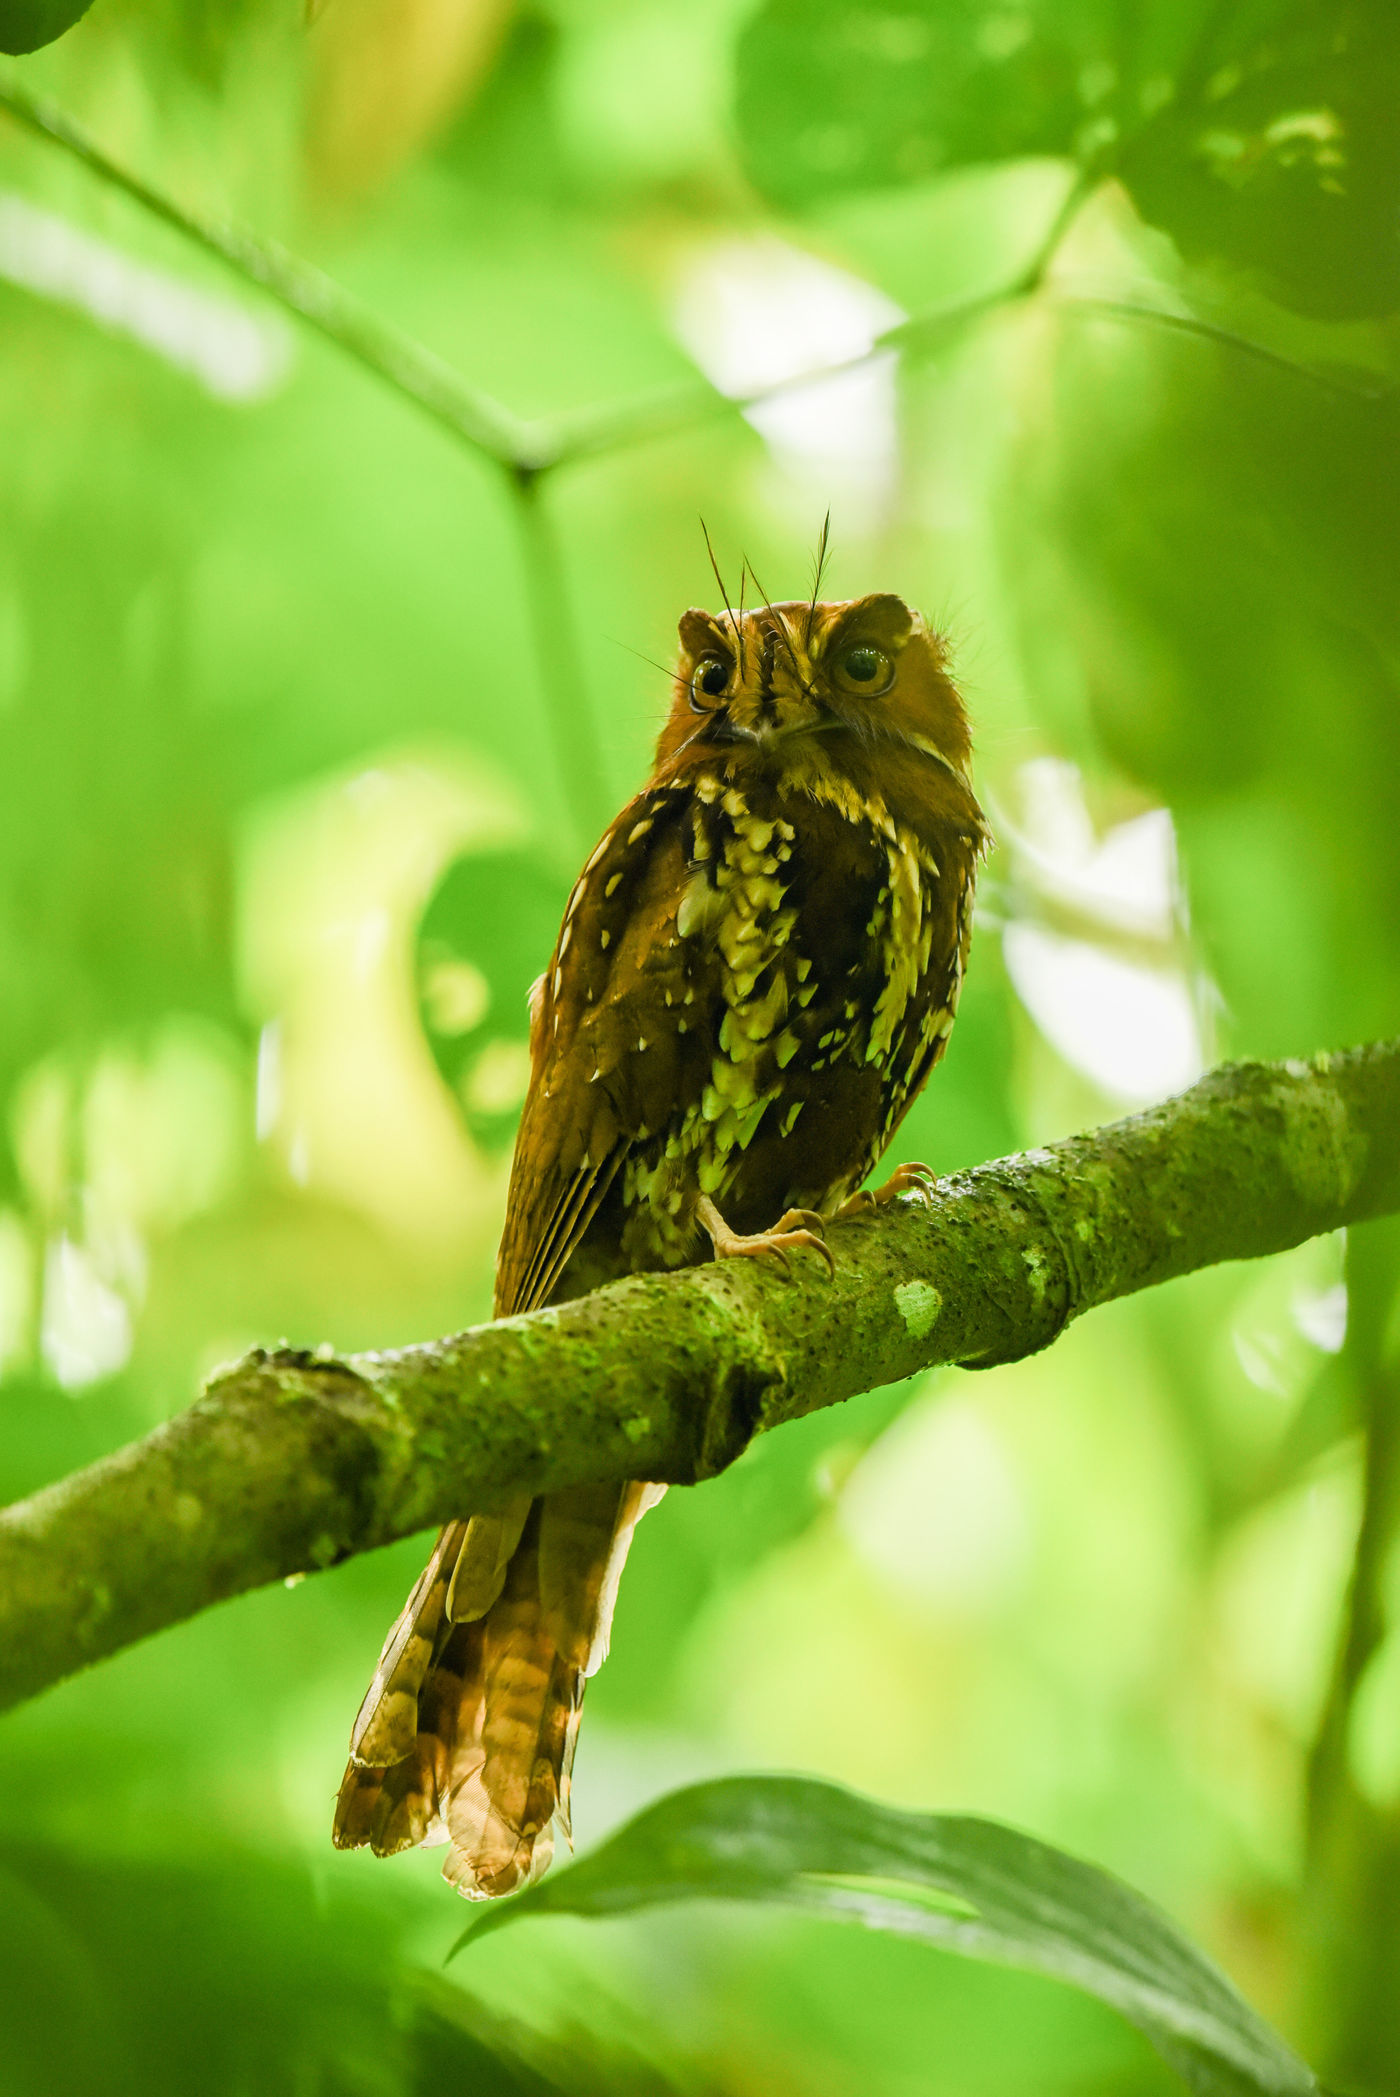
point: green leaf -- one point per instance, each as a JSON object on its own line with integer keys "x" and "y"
{"x": 1237, "y": 658}
{"x": 968, "y": 1886}
{"x": 485, "y": 935}
{"x": 27, "y": 25}
{"x": 843, "y": 96}
{"x": 1280, "y": 156}
{"x": 1260, "y": 135}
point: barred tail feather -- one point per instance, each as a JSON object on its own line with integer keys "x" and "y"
{"x": 387, "y": 1720}
{"x": 400, "y": 1806}
{"x": 480, "y": 1688}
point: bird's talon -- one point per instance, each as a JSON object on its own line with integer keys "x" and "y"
{"x": 820, "y": 1245}
{"x": 797, "y": 1228}
{"x": 914, "y": 1178}
{"x": 857, "y": 1204}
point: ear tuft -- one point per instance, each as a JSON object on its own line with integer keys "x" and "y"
{"x": 883, "y": 617}
{"x": 700, "y": 632}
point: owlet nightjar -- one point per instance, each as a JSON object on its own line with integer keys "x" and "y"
{"x": 757, "y": 970}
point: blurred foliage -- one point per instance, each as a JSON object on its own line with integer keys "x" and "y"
{"x": 291, "y": 794}
{"x": 278, "y": 1991}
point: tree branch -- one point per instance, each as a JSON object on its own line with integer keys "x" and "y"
{"x": 291, "y": 1461}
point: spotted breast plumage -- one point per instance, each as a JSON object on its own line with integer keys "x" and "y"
{"x": 757, "y": 970}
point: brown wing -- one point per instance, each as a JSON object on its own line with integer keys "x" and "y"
{"x": 608, "y": 1058}
{"x": 920, "y": 1039}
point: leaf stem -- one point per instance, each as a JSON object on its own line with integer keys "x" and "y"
{"x": 1364, "y": 386}
{"x": 559, "y": 660}
{"x": 469, "y": 414}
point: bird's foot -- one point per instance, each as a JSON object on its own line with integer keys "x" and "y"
{"x": 905, "y": 1179}
{"x": 794, "y": 1229}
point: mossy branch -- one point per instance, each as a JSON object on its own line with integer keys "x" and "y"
{"x": 291, "y": 1461}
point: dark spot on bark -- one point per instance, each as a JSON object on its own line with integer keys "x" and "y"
{"x": 732, "y": 1417}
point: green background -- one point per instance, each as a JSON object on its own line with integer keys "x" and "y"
{"x": 293, "y": 780}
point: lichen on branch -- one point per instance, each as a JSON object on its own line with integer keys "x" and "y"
{"x": 292, "y": 1461}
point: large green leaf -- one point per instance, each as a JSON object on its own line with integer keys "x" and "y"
{"x": 1260, "y": 135}
{"x": 485, "y": 935}
{"x": 855, "y": 94}
{"x": 27, "y": 25}
{"x": 1237, "y": 653}
{"x": 969, "y": 1886}
{"x": 1280, "y": 154}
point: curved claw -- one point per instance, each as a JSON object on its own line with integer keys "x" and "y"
{"x": 913, "y": 1178}
{"x": 796, "y": 1229}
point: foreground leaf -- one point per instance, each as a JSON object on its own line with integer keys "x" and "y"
{"x": 969, "y": 1886}
{"x": 1260, "y": 136}
{"x": 27, "y": 25}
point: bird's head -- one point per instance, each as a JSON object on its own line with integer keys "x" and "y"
{"x": 794, "y": 686}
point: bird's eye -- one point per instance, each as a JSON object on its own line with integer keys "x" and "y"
{"x": 865, "y": 669}
{"x": 709, "y": 679}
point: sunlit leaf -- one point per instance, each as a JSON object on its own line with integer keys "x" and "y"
{"x": 856, "y": 96}
{"x": 969, "y": 1886}
{"x": 485, "y": 936}
{"x": 1260, "y": 136}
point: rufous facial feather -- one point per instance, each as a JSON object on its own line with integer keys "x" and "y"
{"x": 866, "y": 677}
